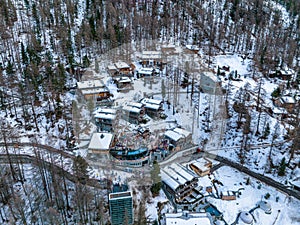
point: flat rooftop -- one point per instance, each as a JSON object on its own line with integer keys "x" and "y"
{"x": 183, "y": 218}
{"x": 118, "y": 195}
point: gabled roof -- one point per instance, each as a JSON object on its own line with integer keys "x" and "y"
{"x": 176, "y": 175}
{"x": 181, "y": 131}
{"x": 111, "y": 67}
{"x": 104, "y": 113}
{"x": 172, "y": 183}
{"x": 122, "y": 65}
{"x": 288, "y": 100}
{"x": 130, "y": 108}
{"x": 173, "y": 135}
{"x": 101, "y": 141}
{"x": 90, "y": 84}
{"x": 123, "y": 79}
{"x": 146, "y": 71}
{"x": 151, "y": 55}
{"x": 151, "y": 103}
{"x": 135, "y": 104}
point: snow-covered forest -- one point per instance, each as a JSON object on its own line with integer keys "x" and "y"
{"x": 45, "y": 46}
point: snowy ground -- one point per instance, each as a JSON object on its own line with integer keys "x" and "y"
{"x": 284, "y": 209}
{"x": 187, "y": 115}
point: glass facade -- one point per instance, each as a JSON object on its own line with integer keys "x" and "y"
{"x": 121, "y": 208}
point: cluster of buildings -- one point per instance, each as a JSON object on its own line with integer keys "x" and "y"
{"x": 113, "y": 141}
{"x": 130, "y": 147}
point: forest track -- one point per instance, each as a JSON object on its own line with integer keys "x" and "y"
{"x": 28, "y": 159}
{"x": 35, "y": 160}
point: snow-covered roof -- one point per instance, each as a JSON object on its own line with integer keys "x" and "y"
{"x": 185, "y": 218}
{"x": 169, "y": 180}
{"x": 175, "y": 175}
{"x": 277, "y": 110}
{"x": 111, "y": 67}
{"x": 122, "y": 65}
{"x": 173, "y": 135}
{"x": 135, "y": 104}
{"x": 151, "y": 55}
{"x": 201, "y": 164}
{"x": 182, "y": 171}
{"x": 185, "y": 133}
{"x": 90, "y": 84}
{"x": 177, "y": 133}
{"x": 287, "y": 72}
{"x": 288, "y": 100}
{"x": 94, "y": 91}
{"x": 123, "y": 79}
{"x": 145, "y": 71}
{"x": 105, "y": 116}
{"x": 130, "y": 108}
{"x": 105, "y": 110}
{"x": 193, "y": 47}
{"x": 151, "y": 103}
{"x": 101, "y": 141}
{"x": 104, "y": 113}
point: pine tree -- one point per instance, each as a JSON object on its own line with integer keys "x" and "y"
{"x": 282, "y": 167}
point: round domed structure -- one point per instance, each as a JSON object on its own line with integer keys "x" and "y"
{"x": 246, "y": 218}
{"x": 265, "y": 206}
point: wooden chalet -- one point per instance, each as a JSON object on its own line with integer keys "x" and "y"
{"x": 123, "y": 83}
{"x": 123, "y": 68}
{"x": 179, "y": 183}
{"x": 201, "y": 167}
{"x": 133, "y": 112}
{"x": 151, "y": 58}
{"x": 178, "y": 137}
{"x": 93, "y": 89}
{"x": 105, "y": 119}
{"x": 153, "y": 107}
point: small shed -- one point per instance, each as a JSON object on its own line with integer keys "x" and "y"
{"x": 288, "y": 103}
{"x": 194, "y": 48}
{"x": 228, "y": 195}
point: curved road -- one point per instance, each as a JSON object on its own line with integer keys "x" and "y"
{"x": 184, "y": 153}
{"x": 260, "y": 177}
